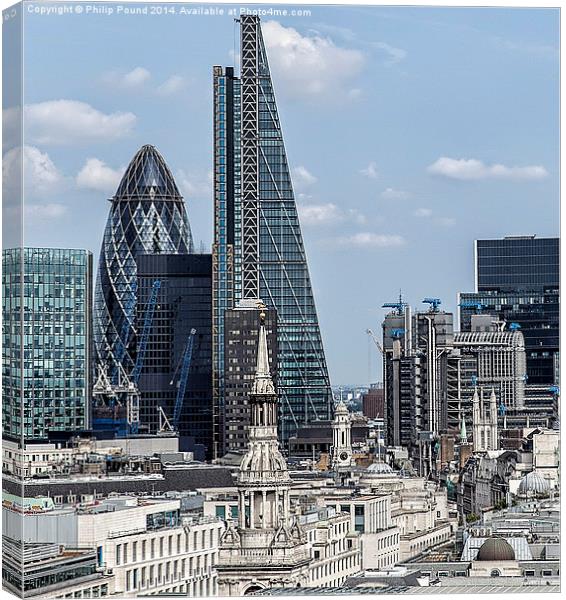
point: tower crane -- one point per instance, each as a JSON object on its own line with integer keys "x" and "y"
{"x": 119, "y": 389}
{"x": 434, "y": 303}
{"x": 183, "y": 378}
{"x": 133, "y": 399}
{"x": 398, "y": 306}
{"x": 375, "y": 340}
{"x": 124, "y": 333}
{"x": 475, "y": 305}
{"x": 147, "y": 322}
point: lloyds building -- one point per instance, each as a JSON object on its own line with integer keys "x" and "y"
{"x": 258, "y": 251}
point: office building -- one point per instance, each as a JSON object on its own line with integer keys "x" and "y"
{"x": 372, "y": 402}
{"x": 171, "y": 379}
{"x": 490, "y": 359}
{"x": 46, "y": 311}
{"x": 517, "y": 281}
{"x": 147, "y": 216}
{"x": 240, "y": 350}
{"x": 258, "y": 249}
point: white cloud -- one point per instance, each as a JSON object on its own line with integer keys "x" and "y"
{"x": 372, "y": 240}
{"x": 393, "y": 194}
{"x": 310, "y": 66}
{"x": 328, "y": 214}
{"x": 96, "y": 175}
{"x": 133, "y": 79}
{"x": 66, "y": 122}
{"x": 43, "y": 212}
{"x": 174, "y": 84}
{"x": 473, "y": 169}
{"x": 370, "y": 171}
{"x": 356, "y": 216}
{"x": 446, "y": 221}
{"x": 194, "y": 186}
{"x": 41, "y": 176}
{"x": 302, "y": 177}
{"x": 423, "y": 212}
{"x": 393, "y": 55}
{"x": 136, "y": 77}
{"x": 319, "y": 214}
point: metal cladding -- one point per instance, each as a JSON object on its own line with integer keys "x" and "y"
{"x": 259, "y": 251}
{"x": 147, "y": 216}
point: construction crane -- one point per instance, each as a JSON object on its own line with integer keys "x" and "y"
{"x": 476, "y": 305}
{"x": 375, "y": 340}
{"x": 183, "y": 379}
{"x": 434, "y": 303}
{"x": 398, "y": 306}
{"x": 133, "y": 401}
{"x": 124, "y": 333}
{"x": 121, "y": 389}
{"x": 147, "y": 322}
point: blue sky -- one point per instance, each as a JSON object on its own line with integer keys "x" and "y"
{"x": 410, "y": 132}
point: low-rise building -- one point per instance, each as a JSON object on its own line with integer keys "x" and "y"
{"x": 150, "y": 548}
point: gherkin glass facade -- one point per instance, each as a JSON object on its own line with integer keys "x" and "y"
{"x": 259, "y": 252}
{"x": 147, "y": 216}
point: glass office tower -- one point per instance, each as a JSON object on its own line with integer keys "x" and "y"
{"x": 517, "y": 280}
{"x": 46, "y": 346}
{"x": 147, "y": 216}
{"x": 185, "y": 303}
{"x": 258, "y": 247}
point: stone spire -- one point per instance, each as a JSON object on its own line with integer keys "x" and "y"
{"x": 463, "y": 432}
{"x": 267, "y": 541}
{"x": 263, "y": 383}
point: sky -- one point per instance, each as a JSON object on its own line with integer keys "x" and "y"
{"x": 410, "y": 132}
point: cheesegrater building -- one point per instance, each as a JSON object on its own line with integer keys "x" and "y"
{"x": 258, "y": 251}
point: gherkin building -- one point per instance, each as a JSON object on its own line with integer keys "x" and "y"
{"x": 147, "y": 216}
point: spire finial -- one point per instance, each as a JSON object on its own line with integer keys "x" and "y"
{"x": 263, "y": 384}
{"x": 463, "y": 432}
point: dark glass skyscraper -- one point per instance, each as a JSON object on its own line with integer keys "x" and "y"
{"x": 185, "y": 303}
{"x": 514, "y": 264}
{"x": 517, "y": 280}
{"x": 46, "y": 347}
{"x": 147, "y": 216}
{"x": 258, "y": 248}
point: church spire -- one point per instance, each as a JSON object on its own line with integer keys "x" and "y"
{"x": 263, "y": 383}
{"x": 463, "y": 432}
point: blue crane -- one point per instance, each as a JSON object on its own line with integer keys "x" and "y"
{"x": 434, "y": 303}
{"x": 476, "y": 305}
{"x": 148, "y": 320}
{"x": 183, "y": 379}
{"x": 124, "y": 332}
{"x": 397, "y": 306}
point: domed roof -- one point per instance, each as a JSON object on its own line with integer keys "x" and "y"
{"x": 380, "y": 468}
{"x": 533, "y": 483}
{"x": 495, "y": 549}
{"x": 341, "y": 409}
{"x": 147, "y": 175}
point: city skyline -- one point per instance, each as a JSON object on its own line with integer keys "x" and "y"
{"x": 374, "y": 211}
